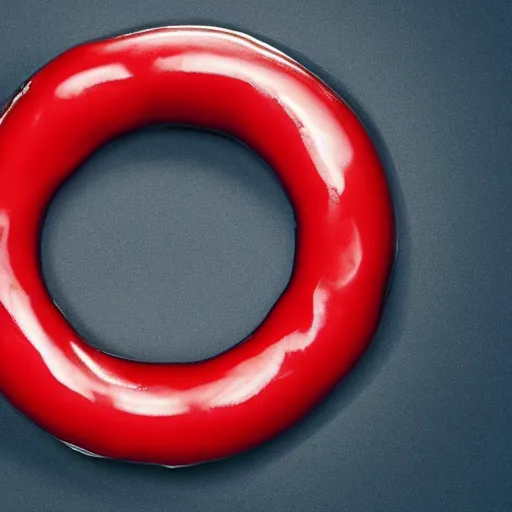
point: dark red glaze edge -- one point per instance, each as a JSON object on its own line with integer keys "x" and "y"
{"x": 179, "y": 414}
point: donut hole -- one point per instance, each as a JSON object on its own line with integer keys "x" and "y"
{"x": 169, "y": 244}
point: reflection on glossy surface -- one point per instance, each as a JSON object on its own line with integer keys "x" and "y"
{"x": 321, "y": 135}
{"x": 79, "y": 83}
{"x": 181, "y": 414}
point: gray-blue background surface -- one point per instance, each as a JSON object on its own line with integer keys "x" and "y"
{"x": 173, "y": 244}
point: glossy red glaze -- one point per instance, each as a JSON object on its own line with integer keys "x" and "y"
{"x": 178, "y": 414}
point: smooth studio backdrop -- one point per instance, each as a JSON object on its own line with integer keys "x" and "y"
{"x": 172, "y": 245}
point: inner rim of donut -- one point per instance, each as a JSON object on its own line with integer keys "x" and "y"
{"x": 168, "y": 244}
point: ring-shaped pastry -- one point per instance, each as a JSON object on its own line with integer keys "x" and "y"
{"x": 180, "y": 414}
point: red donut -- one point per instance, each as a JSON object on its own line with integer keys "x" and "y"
{"x": 180, "y": 414}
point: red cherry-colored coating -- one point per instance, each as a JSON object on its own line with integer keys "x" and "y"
{"x": 178, "y": 414}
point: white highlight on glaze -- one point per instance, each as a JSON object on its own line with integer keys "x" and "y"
{"x": 97, "y": 370}
{"x": 326, "y": 143}
{"x": 154, "y": 37}
{"x": 17, "y": 303}
{"x": 350, "y": 258}
{"x": 151, "y": 402}
{"x": 15, "y": 100}
{"x": 82, "y": 451}
{"x": 78, "y": 83}
{"x": 88, "y": 453}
